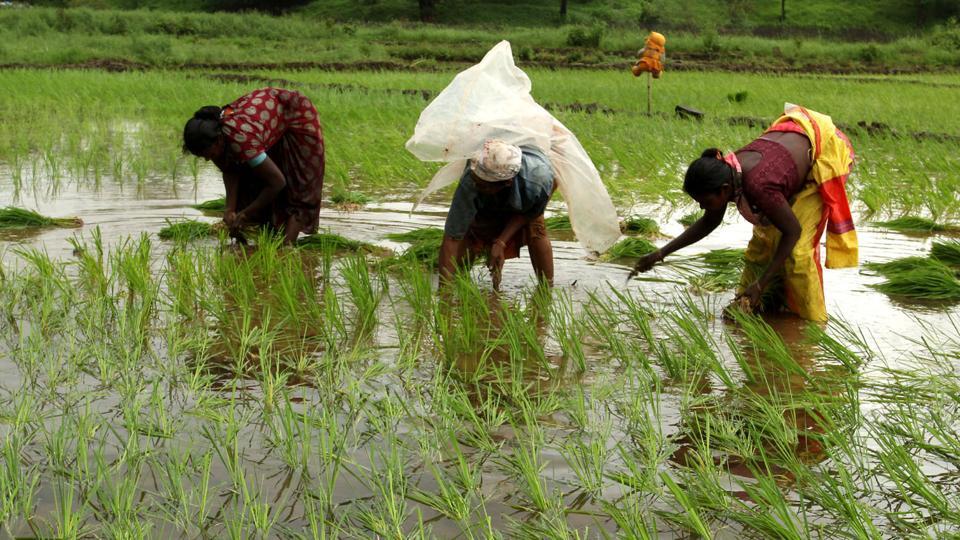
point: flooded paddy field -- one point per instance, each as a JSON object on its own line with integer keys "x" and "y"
{"x": 164, "y": 389}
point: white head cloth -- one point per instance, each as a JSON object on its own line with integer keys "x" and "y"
{"x": 497, "y": 161}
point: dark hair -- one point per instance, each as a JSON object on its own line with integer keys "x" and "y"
{"x": 707, "y": 174}
{"x": 202, "y": 131}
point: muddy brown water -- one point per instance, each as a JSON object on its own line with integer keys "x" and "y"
{"x": 122, "y": 210}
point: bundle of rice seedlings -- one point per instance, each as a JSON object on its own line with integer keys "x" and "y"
{"x": 723, "y": 270}
{"x": 724, "y": 259}
{"x": 428, "y": 234}
{"x": 346, "y": 199}
{"x": 558, "y": 223}
{"x": 691, "y": 218}
{"x": 928, "y": 283}
{"x": 919, "y": 278}
{"x": 339, "y": 244}
{"x": 213, "y": 205}
{"x": 640, "y": 225}
{"x": 946, "y": 252}
{"x": 19, "y": 218}
{"x": 915, "y": 224}
{"x": 900, "y": 266}
{"x": 629, "y": 248}
{"x": 186, "y": 230}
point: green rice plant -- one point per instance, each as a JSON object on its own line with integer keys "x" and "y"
{"x": 424, "y": 249}
{"x": 212, "y": 206}
{"x": 587, "y": 455}
{"x": 558, "y": 223}
{"x": 640, "y": 225}
{"x": 689, "y": 516}
{"x": 19, "y": 218}
{"x": 339, "y": 244}
{"x": 346, "y": 199}
{"x": 432, "y": 235}
{"x": 365, "y": 292}
{"x": 633, "y": 518}
{"x": 630, "y": 248}
{"x": 916, "y": 224}
{"x": 187, "y": 230}
{"x": 947, "y": 252}
{"x": 918, "y": 278}
{"x": 689, "y": 219}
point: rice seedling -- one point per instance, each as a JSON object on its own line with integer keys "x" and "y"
{"x": 17, "y": 218}
{"x": 424, "y": 246}
{"x": 640, "y": 225}
{"x": 689, "y": 219}
{"x": 919, "y": 278}
{"x": 558, "y": 223}
{"x": 947, "y": 252}
{"x": 213, "y": 205}
{"x": 344, "y": 199}
{"x": 916, "y": 225}
{"x": 629, "y": 248}
{"x": 415, "y": 236}
{"x": 339, "y": 244}
{"x": 187, "y": 230}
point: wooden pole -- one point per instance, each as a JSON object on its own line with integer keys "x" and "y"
{"x": 649, "y": 94}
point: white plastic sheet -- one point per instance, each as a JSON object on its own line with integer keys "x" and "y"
{"x": 492, "y": 100}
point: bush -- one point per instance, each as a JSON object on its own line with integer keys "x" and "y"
{"x": 585, "y": 37}
{"x": 869, "y": 54}
{"x": 947, "y": 36}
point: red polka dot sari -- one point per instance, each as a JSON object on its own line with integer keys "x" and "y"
{"x": 285, "y": 125}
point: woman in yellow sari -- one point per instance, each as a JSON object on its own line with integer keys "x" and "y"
{"x": 790, "y": 183}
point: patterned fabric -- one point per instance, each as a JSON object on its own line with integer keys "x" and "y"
{"x": 833, "y": 158}
{"x": 771, "y": 182}
{"x": 284, "y": 124}
{"x": 800, "y": 283}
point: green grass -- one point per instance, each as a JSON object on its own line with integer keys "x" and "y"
{"x": 171, "y": 39}
{"x": 20, "y": 218}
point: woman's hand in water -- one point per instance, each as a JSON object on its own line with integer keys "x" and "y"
{"x": 647, "y": 262}
{"x": 234, "y": 220}
{"x": 752, "y": 294}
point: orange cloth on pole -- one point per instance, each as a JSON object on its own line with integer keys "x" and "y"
{"x": 651, "y": 56}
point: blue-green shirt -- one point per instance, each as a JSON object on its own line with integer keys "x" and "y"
{"x": 528, "y": 195}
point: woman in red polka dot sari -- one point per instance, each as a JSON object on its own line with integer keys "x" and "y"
{"x": 269, "y": 146}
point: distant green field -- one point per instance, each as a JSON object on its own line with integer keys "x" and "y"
{"x": 907, "y": 158}
{"x": 48, "y": 36}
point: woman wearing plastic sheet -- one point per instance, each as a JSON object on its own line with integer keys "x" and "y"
{"x": 269, "y": 146}
{"x": 498, "y": 208}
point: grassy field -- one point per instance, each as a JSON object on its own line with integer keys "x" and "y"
{"x": 158, "y": 38}
{"x": 132, "y": 132}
